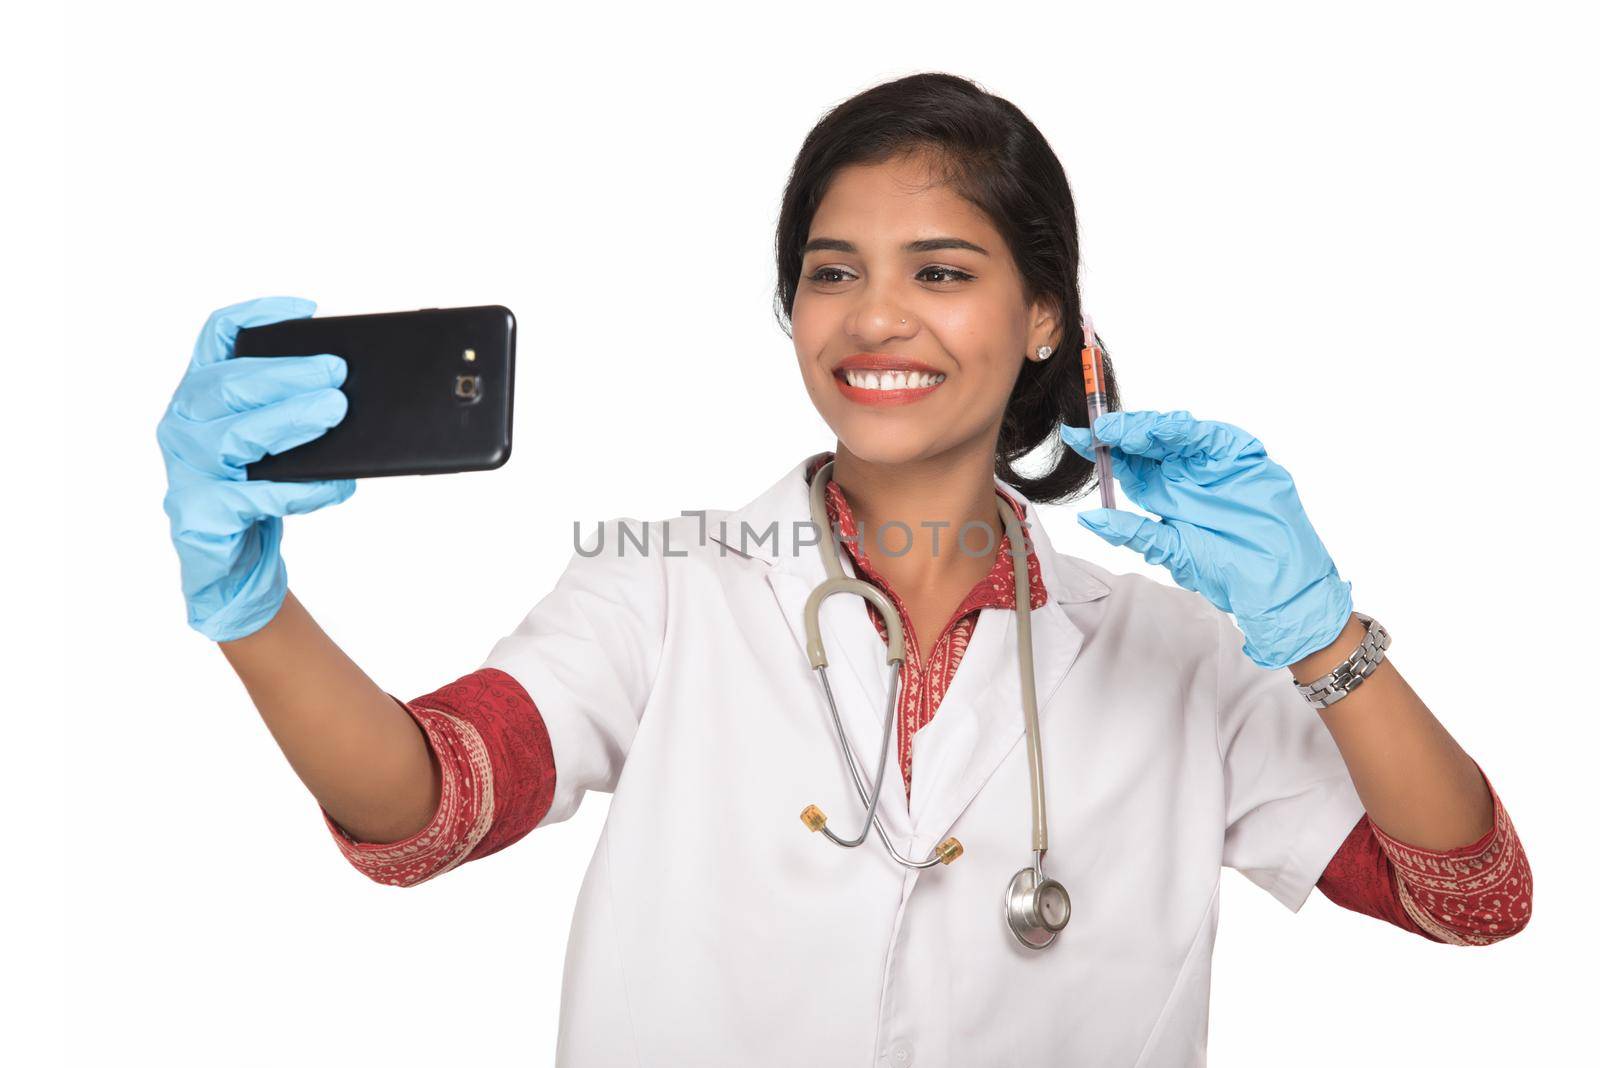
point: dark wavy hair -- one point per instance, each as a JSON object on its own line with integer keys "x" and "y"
{"x": 995, "y": 158}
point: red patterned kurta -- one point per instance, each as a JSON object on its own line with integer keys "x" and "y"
{"x": 498, "y": 776}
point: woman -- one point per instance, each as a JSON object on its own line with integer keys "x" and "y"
{"x": 927, "y": 264}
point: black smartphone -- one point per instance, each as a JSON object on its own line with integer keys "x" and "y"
{"x": 429, "y": 392}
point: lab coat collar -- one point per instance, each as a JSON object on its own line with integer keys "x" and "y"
{"x": 980, "y": 719}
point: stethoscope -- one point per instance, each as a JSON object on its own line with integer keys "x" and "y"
{"x": 1037, "y": 907}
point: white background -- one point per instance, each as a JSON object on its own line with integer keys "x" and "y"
{"x": 1365, "y": 233}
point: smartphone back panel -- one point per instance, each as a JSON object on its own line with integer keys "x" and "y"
{"x": 429, "y": 392}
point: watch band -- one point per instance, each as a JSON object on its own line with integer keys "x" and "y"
{"x": 1336, "y": 684}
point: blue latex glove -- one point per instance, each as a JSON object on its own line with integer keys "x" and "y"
{"x": 1232, "y": 527}
{"x": 227, "y": 412}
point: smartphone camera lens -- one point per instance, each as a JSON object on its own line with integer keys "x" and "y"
{"x": 467, "y": 387}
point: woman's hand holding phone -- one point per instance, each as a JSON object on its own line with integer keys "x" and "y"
{"x": 227, "y": 412}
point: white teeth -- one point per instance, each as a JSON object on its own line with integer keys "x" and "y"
{"x": 892, "y": 379}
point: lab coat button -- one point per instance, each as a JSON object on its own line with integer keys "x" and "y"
{"x": 900, "y": 1055}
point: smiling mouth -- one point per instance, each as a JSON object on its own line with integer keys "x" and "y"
{"x": 889, "y": 381}
{"x": 886, "y": 387}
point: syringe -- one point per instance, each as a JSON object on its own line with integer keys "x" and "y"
{"x": 1094, "y": 387}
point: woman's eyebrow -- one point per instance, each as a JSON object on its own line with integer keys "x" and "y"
{"x": 926, "y": 244}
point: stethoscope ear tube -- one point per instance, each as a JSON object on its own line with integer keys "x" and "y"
{"x": 850, "y": 759}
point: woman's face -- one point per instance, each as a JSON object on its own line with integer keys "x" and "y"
{"x": 909, "y": 320}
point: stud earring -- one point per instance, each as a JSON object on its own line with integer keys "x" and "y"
{"x": 1044, "y": 352}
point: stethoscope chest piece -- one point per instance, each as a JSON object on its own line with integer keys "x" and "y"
{"x": 1036, "y": 908}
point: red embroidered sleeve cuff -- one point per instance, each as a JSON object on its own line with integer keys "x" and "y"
{"x": 1473, "y": 895}
{"x": 462, "y": 819}
{"x": 497, "y": 779}
{"x": 1469, "y": 896}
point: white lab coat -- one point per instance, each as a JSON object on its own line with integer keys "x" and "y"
{"x": 713, "y": 928}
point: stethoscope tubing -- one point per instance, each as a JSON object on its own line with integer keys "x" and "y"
{"x": 838, "y": 582}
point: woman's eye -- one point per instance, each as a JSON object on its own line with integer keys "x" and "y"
{"x": 816, "y": 276}
{"x": 961, "y": 276}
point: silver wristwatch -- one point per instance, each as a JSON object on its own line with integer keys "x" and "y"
{"x": 1333, "y": 686}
